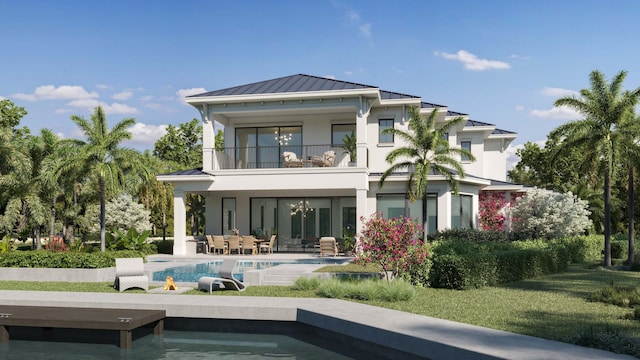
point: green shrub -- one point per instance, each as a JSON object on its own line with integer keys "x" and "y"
{"x": 610, "y": 341}
{"x": 64, "y": 260}
{"x": 304, "y": 283}
{"x": 369, "y": 289}
{"x": 624, "y": 296}
{"x": 459, "y": 264}
{"x": 619, "y": 249}
{"x": 164, "y": 246}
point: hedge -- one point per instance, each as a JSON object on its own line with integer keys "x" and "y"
{"x": 64, "y": 260}
{"x": 460, "y": 264}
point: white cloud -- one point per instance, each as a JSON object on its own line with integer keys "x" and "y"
{"x": 114, "y": 108}
{"x": 3, "y": 98}
{"x": 102, "y": 86}
{"x": 147, "y": 98}
{"x": 50, "y": 92}
{"x": 519, "y": 107}
{"x": 182, "y": 93}
{"x": 518, "y": 57}
{"x": 125, "y": 95}
{"x": 330, "y": 77}
{"x": 143, "y": 134}
{"x": 364, "y": 28}
{"x": 558, "y": 112}
{"x": 558, "y": 92}
{"x": 472, "y": 62}
{"x": 348, "y": 73}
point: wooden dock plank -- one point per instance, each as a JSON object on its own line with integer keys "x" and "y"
{"x": 122, "y": 320}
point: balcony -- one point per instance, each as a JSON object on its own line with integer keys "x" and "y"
{"x": 271, "y": 157}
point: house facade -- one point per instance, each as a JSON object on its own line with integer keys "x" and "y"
{"x": 285, "y": 168}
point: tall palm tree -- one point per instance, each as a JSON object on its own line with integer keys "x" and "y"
{"x": 629, "y": 134}
{"x": 101, "y": 158}
{"x": 426, "y": 150}
{"x": 604, "y": 107}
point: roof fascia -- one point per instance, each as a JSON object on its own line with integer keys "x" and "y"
{"x": 185, "y": 178}
{"x": 368, "y": 92}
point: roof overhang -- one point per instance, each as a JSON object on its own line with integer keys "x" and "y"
{"x": 174, "y": 178}
{"x": 350, "y": 93}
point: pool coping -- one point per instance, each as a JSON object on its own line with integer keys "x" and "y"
{"x": 415, "y": 334}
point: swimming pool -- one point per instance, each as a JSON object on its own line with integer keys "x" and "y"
{"x": 193, "y": 272}
{"x": 177, "y": 345}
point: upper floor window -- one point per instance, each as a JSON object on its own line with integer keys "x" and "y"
{"x": 466, "y": 145}
{"x": 382, "y": 125}
{"x": 338, "y": 132}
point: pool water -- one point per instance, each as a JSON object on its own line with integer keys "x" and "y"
{"x": 174, "y": 345}
{"x": 193, "y": 272}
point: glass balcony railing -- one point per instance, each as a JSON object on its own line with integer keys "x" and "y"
{"x": 289, "y": 156}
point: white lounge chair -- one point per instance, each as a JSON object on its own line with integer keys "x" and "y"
{"x": 225, "y": 281}
{"x": 130, "y": 274}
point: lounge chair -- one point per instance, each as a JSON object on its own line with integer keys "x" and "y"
{"x": 234, "y": 244}
{"x": 328, "y": 246}
{"x": 130, "y": 274}
{"x": 291, "y": 159}
{"x": 268, "y": 247}
{"x": 225, "y": 281}
{"x": 326, "y": 160}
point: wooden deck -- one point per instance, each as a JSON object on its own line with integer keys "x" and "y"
{"x": 122, "y": 320}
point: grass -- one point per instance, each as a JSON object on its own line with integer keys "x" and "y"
{"x": 555, "y": 307}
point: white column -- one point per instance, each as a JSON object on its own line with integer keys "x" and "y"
{"x": 362, "y": 114}
{"x": 208, "y": 139}
{"x": 179, "y": 223}
{"x": 362, "y": 210}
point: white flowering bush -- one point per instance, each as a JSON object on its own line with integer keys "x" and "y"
{"x": 544, "y": 213}
{"x": 123, "y": 213}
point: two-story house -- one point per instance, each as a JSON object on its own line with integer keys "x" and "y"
{"x": 285, "y": 171}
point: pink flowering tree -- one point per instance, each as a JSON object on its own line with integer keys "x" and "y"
{"x": 395, "y": 244}
{"x": 491, "y": 214}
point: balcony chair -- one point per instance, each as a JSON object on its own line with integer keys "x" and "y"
{"x": 326, "y": 160}
{"x": 291, "y": 159}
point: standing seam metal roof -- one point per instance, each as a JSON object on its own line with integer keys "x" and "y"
{"x": 307, "y": 83}
{"x": 293, "y": 83}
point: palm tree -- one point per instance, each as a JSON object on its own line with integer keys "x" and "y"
{"x": 101, "y": 158}
{"x": 427, "y": 149}
{"x": 629, "y": 132}
{"x": 604, "y": 107}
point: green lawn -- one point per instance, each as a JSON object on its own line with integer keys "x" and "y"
{"x": 553, "y": 307}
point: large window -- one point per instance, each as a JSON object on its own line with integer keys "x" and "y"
{"x": 461, "y": 212}
{"x": 384, "y": 124}
{"x": 299, "y": 222}
{"x": 338, "y": 131}
{"x": 397, "y": 205}
{"x": 262, "y": 147}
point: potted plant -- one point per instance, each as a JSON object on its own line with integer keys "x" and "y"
{"x": 349, "y": 146}
{"x": 348, "y": 242}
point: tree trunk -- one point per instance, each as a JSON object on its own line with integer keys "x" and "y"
{"x": 52, "y": 219}
{"x": 631, "y": 214}
{"x": 607, "y": 217}
{"x": 103, "y": 211}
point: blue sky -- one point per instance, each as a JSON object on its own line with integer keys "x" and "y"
{"x": 501, "y": 62}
